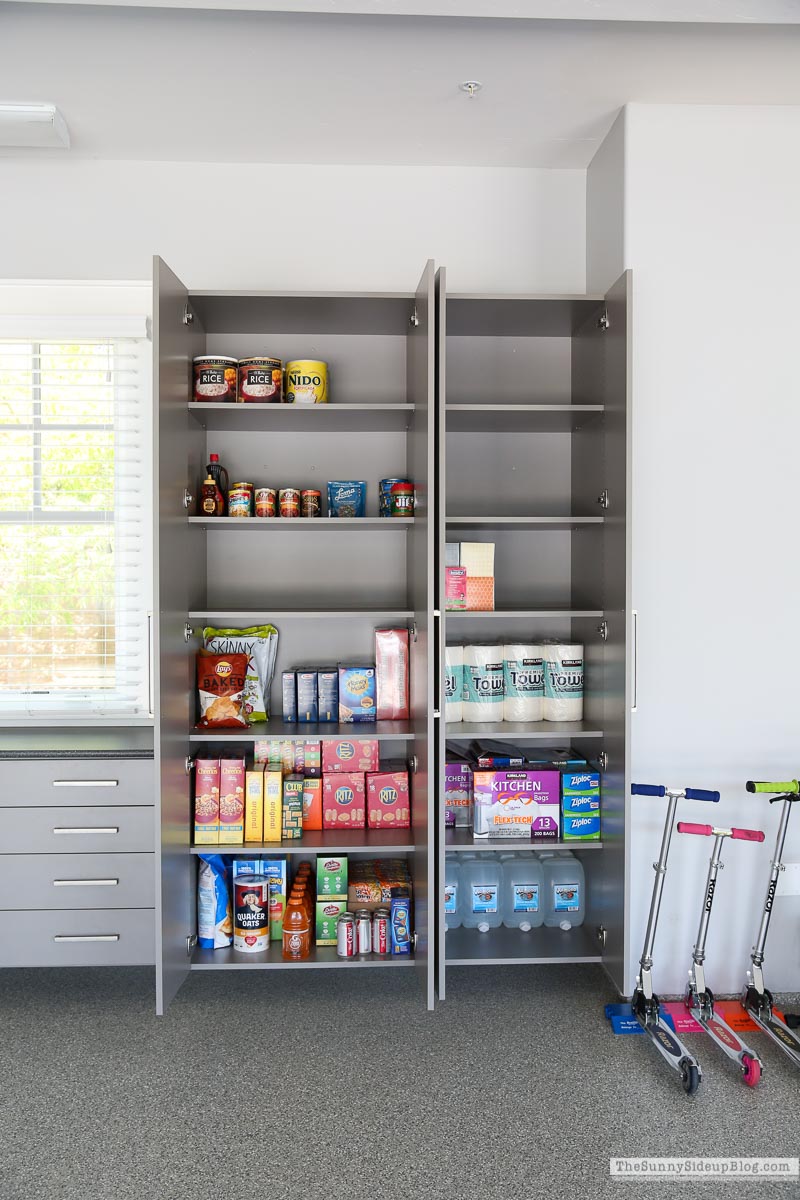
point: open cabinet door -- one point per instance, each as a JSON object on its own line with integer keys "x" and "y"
{"x": 179, "y": 567}
{"x": 421, "y": 537}
{"x": 440, "y": 738}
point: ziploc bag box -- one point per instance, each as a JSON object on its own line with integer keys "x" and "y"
{"x": 517, "y": 804}
{"x": 580, "y": 805}
{"x": 357, "y": 694}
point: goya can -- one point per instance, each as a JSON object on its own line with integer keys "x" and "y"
{"x": 251, "y": 914}
{"x": 363, "y": 931}
{"x": 310, "y": 503}
{"x": 384, "y": 496}
{"x": 381, "y": 937}
{"x": 401, "y": 499}
{"x": 346, "y": 936}
{"x": 240, "y": 500}
{"x": 266, "y": 502}
{"x": 260, "y": 381}
{"x": 289, "y": 501}
{"x": 214, "y": 379}
{"x": 306, "y": 381}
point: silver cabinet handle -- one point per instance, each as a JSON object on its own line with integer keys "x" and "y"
{"x": 85, "y": 882}
{"x": 86, "y": 937}
{"x": 85, "y": 783}
{"x": 86, "y": 829}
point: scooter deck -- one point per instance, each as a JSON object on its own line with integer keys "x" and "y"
{"x": 721, "y": 1032}
{"x": 780, "y": 1033}
{"x": 668, "y": 1043}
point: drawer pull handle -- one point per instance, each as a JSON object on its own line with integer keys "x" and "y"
{"x": 85, "y": 783}
{"x": 86, "y": 937}
{"x": 85, "y": 882}
{"x": 86, "y": 829}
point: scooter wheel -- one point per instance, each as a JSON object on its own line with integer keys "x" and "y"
{"x": 751, "y": 1070}
{"x": 690, "y": 1076}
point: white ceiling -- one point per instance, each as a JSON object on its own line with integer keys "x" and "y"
{"x": 206, "y": 86}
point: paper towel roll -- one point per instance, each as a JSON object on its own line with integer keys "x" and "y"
{"x": 563, "y": 681}
{"x": 483, "y": 683}
{"x": 453, "y": 683}
{"x": 523, "y": 674}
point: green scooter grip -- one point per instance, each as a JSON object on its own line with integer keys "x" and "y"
{"x": 792, "y": 787}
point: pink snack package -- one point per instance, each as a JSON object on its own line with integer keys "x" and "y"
{"x": 351, "y": 754}
{"x": 343, "y": 801}
{"x": 391, "y": 671}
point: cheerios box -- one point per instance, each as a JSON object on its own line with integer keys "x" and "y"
{"x": 352, "y": 754}
{"x": 231, "y": 801}
{"x": 343, "y": 800}
{"x": 357, "y": 694}
{"x": 388, "y": 804}
{"x": 517, "y": 804}
{"x": 206, "y": 802}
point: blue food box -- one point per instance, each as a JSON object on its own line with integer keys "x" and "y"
{"x": 289, "y": 684}
{"x": 347, "y": 498}
{"x": 307, "y": 709}
{"x": 357, "y": 694}
{"x": 328, "y": 694}
{"x": 580, "y": 806}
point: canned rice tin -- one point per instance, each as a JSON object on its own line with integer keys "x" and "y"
{"x": 251, "y": 914}
{"x": 214, "y": 378}
{"x": 384, "y": 496}
{"x": 346, "y": 936}
{"x": 260, "y": 381}
{"x": 266, "y": 502}
{"x": 306, "y": 381}
{"x": 289, "y": 501}
{"x": 310, "y": 503}
{"x": 380, "y": 931}
{"x": 363, "y": 931}
{"x": 401, "y": 499}
{"x": 240, "y": 500}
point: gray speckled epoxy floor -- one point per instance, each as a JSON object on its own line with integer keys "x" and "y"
{"x": 339, "y": 1085}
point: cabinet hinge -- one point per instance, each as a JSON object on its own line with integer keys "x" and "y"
{"x": 602, "y": 760}
{"x": 413, "y": 763}
{"x": 191, "y": 942}
{"x": 188, "y": 632}
{"x": 436, "y": 714}
{"x": 188, "y": 315}
{"x": 603, "y": 321}
{"x": 412, "y": 629}
{"x": 188, "y": 764}
{"x": 602, "y": 629}
{"x": 188, "y": 498}
{"x": 602, "y": 934}
{"x": 413, "y": 320}
{"x": 602, "y": 499}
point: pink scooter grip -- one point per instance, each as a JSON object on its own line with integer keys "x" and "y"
{"x": 748, "y": 835}
{"x": 690, "y": 827}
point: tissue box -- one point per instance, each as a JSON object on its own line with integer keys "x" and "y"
{"x": 517, "y": 804}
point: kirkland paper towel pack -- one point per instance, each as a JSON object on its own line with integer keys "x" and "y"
{"x": 453, "y": 683}
{"x": 523, "y": 673}
{"x": 563, "y": 681}
{"x": 483, "y": 683}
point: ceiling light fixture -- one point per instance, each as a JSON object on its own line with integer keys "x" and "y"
{"x": 471, "y": 87}
{"x": 37, "y": 125}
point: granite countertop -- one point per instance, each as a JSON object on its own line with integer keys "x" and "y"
{"x": 79, "y": 742}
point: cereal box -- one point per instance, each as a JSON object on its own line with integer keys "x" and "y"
{"x": 357, "y": 694}
{"x": 231, "y": 801}
{"x": 391, "y": 674}
{"x": 517, "y": 804}
{"x": 206, "y": 802}
{"x": 307, "y": 703}
{"x": 327, "y": 916}
{"x": 358, "y": 754}
{"x": 328, "y": 694}
{"x": 458, "y": 794}
{"x": 245, "y": 866}
{"x": 292, "y": 817}
{"x": 275, "y": 871}
{"x": 388, "y": 803}
{"x": 254, "y": 805}
{"x": 289, "y": 685}
{"x": 273, "y": 805}
{"x": 331, "y": 877}
{"x": 455, "y": 588}
{"x": 312, "y": 804}
{"x": 343, "y": 800}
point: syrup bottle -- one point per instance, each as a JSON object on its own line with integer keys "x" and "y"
{"x": 212, "y": 502}
{"x": 220, "y": 476}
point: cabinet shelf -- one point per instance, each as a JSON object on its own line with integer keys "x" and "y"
{"x": 518, "y": 614}
{"x": 461, "y": 840}
{"x": 520, "y": 418}
{"x": 385, "y": 731}
{"x": 258, "y": 617}
{"x": 300, "y": 418}
{"x": 510, "y": 731}
{"x": 272, "y": 960}
{"x": 511, "y": 947}
{"x": 325, "y": 841}
{"x": 306, "y": 524}
{"x": 516, "y": 523}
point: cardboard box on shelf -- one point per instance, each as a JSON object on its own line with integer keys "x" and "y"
{"x": 327, "y": 916}
{"x": 231, "y": 801}
{"x": 343, "y": 800}
{"x": 331, "y": 877}
{"x": 517, "y": 804}
{"x": 312, "y": 804}
{"x": 350, "y": 754}
{"x": 275, "y": 870}
{"x": 391, "y": 674}
{"x": 273, "y": 805}
{"x": 206, "y": 802}
{"x": 292, "y": 813}
{"x": 254, "y": 804}
{"x": 357, "y": 694}
{"x": 388, "y": 797}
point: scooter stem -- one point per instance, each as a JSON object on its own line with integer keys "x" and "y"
{"x": 757, "y": 957}
{"x": 660, "y": 867}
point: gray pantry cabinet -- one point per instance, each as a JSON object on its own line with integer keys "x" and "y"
{"x": 518, "y": 447}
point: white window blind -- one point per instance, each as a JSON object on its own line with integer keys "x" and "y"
{"x": 75, "y": 572}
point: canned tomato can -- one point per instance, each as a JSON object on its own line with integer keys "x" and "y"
{"x": 214, "y": 378}
{"x": 251, "y": 914}
{"x": 346, "y": 936}
{"x": 363, "y": 931}
{"x": 380, "y": 931}
{"x": 260, "y": 381}
{"x": 240, "y": 500}
{"x": 310, "y": 503}
{"x": 401, "y": 499}
{"x": 289, "y": 502}
{"x": 266, "y": 502}
{"x": 384, "y": 496}
{"x": 306, "y": 381}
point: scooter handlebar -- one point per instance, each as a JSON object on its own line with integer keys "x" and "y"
{"x": 648, "y": 789}
{"x": 747, "y": 835}
{"x": 690, "y": 827}
{"x": 701, "y": 794}
{"x": 790, "y": 788}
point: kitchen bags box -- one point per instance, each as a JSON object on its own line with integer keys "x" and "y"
{"x": 517, "y": 804}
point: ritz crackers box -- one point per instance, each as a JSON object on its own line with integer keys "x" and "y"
{"x": 343, "y": 800}
{"x": 206, "y": 802}
{"x": 351, "y": 754}
{"x": 254, "y": 804}
{"x": 231, "y": 801}
{"x": 388, "y": 805}
{"x": 273, "y": 805}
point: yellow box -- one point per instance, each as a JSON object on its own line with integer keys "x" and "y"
{"x": 273, "y": 805}
{"x": 254, "y": 805}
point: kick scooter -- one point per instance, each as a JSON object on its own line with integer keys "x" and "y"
{"x": 756, "y": 999}
{"x": 645, "y": 1004}
{"x": 699, "y": 999}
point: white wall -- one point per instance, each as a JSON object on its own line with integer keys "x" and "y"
{"x": 712, "y": 204}
{"x": 271, "y": 226}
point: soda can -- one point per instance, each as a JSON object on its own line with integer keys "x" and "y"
{"x": 346, "y": 936}
{"x": 363, "y": 931}
{"x": 310, "y": 503}
{"x": 380, "y": 931}
{"x": 289, "y": 501}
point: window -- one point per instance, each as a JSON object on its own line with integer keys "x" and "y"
{"x": 75, "y": 545}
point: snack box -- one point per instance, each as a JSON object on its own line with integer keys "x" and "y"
{"x": 307, "y": 704}
{"x": 312, "y": 804}
{"x": 275, "y": 870}
{"x": 331, "y": 877}
{"x": 356, "y": 754}
{"x": 457, "y": 793}
{"x": 400, "y": 922}
{"x": 391, "y": 674}
{"x": 254, "y": 805}
{"x": 357, "y": 694}
{"x": 328, "y": 694}
{"x": 388, "y": 800}
{"x": 267, "y": 750}
{"x": 206, "y": 802}
{"x": 312, "y": 760}
{"x": 289, "y": 686}
{"x": 273, "y": 804}
{"x": 343, "y": 800}
{"x": 455, "y": 588}
{"x": 231, "y": 801}
{"x": 517, "y": 804}
{"x": 292, "y": 816}
{"x": 327, "y": 916}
